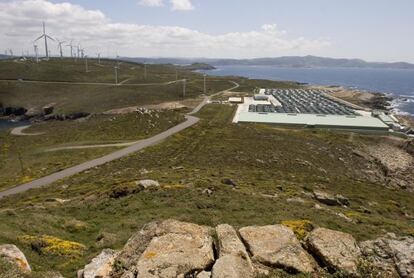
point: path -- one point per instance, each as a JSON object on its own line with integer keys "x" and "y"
{"x": 89, "y": 83}
{"x": 113, "y": 145}
{"x": 19, "y": 131}
{"x": 190, "y": 121}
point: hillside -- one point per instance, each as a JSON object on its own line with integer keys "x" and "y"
{"x": 212, "y": 173}
{"x": 288, "y": 61}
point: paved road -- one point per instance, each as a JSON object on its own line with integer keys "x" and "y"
{"x": 190, "y": 121}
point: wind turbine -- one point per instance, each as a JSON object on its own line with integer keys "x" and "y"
{"x": 99, "y": 58}
{"x": 60, "y": 47}
{"x": 45, "y": 36}
{"x": 86, "y": 63}
{"x": 71, "y": 48}
{"x": 36, "y": 50}
{"x": 78, "y": 50}
{"x": 116, "y": 75}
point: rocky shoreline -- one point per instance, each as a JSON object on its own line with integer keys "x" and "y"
{"x": 46, "y": 113}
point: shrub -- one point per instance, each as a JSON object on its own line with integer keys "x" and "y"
{"x": 301, "y": 228}
{"x": 53, "y": 246}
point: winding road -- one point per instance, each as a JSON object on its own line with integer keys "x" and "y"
{"x": 190, "y": 121}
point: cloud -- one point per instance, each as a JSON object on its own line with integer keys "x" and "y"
{"x": 182, "y": 5}
{"x": 151, "y": 3}
{"x": 21, "y": 23}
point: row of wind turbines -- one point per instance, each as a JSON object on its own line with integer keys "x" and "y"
{"x": 76, "y": 51}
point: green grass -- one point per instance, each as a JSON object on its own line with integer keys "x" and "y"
{"x": 260, "y": 159}
{"x": 69, "y": 98}
{"x": 24, "y": 158}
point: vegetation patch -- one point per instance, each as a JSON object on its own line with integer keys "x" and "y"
{"x": 50, "y": 245}
{"x": 301, "y": 228}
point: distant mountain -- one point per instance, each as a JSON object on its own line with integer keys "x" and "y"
{"x": 2, "y": 56}
{"x": 287, "y": 61}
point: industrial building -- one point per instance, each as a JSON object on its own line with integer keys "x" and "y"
{"x": 307, "y": 108}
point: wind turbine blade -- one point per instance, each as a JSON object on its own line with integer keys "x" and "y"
{"x": 49, "y": 37}
{"x": 39, "y": 38}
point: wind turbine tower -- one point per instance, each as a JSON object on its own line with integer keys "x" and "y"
{"x": 36, "y": 50}
{"x": 86, "y": 63}
{"x": 46, "y": 37}
{"x": 71, "y": 48}
{"x": 205, "y": 87}
{"x": 184, "y": 87}
{"x": 116, "y": 75}
{"x": 60, "y": 48}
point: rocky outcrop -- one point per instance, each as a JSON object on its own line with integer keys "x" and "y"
{"x": 233, "y": 261}
{"x": 101, "y": 266}
{"x": 172, "y": 248}
{"x": 329, "y": 199}
{"x": 337, "y": 250}
{"x": 394, "y": 257}
{"x": 277, "y": 246}
{"x": 167, "y": 249}
{"x": 13, "y": 255}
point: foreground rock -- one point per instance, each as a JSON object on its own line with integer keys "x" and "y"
{"x": 172, "y": 248}
{"x": 101, "y": 266}
{"x": 393, "y": 257}
{"x": 167, "y": 249}
{"x": 233, "y": 258}
{"x": 16, "y": 257}
{"x": 277, "y": 246}
{"x": 337, "y": 250}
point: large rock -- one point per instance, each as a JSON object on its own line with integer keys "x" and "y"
{"x": 48, "y": 109}
{"x": 13, "y": 255}
{"x": 230, "y": 266}
{"x": 146, "y": 184}
{"x": 337, "y": 250}
{"x": 204, "y": 274}
{"x": 167, "y": 249}
{"x": 393, "y": 257}
{"x": 101, "y": 266}
{"x": 277, "y": 246}
{"x": 233, "y": 258}
{"x": 326, "y": 198}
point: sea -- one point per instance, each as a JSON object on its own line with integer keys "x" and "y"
{"x": 5, "y": 124}
{"x": 398, "y": 83}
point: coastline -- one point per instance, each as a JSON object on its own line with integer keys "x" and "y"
{"x": 370, "y": 100}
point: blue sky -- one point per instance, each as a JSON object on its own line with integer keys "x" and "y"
{"x": 376, "y": 30}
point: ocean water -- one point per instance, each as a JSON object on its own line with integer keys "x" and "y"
{"x": 398, "y": 83}
{"x": 4, "y": 124}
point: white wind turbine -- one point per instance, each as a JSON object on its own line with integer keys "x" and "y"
{"x": 71, "y": 48}
{"x": 45, "y": 36}
{"x": 60, "y": 47}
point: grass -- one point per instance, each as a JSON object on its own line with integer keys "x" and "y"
{"x": 261, "y": 159}
{"x": 273, "y": 168}
{"x": 23, "y": 158}
{"x": 94, "y": 98}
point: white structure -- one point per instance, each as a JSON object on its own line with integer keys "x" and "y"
{"x": 235, "y": 100}
{"x": 45, "y": 36}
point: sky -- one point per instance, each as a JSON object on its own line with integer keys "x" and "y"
{"x": 374, "y": 30}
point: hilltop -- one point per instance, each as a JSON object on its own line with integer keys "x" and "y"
{"x": 212, "y": 173}
{"x": 287, "y": 61}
